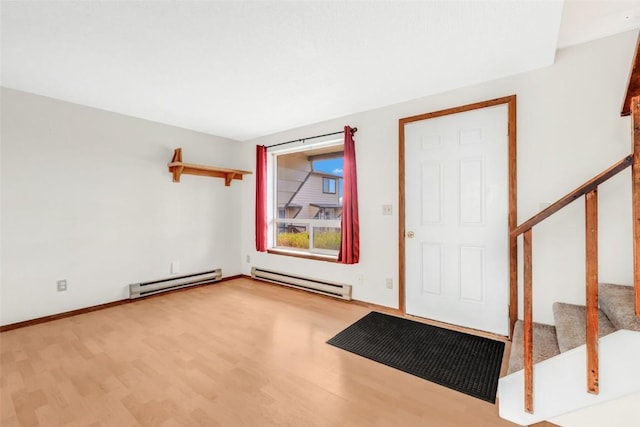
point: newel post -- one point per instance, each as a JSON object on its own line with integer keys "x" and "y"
{"x": 635, "y": 189}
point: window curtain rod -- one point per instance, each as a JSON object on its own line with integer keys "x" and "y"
{"x": 353, "y": 130}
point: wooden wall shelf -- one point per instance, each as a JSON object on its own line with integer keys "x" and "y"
{"x": 177, "y": 167}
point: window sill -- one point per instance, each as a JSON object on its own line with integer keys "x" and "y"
{"x": 317, "y": 257}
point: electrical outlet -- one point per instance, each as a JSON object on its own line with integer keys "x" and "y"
{"x": 387, "y": 209}
{"x": 62, "y": 285}
{"x": 389, "y": 283}
{"x": 248, "y": 259}
{"x": 175, "y": 267}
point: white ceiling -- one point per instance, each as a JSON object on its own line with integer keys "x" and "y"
{"x": 241, "y": 69}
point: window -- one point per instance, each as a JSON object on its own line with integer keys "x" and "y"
{"x": 307, "y": 200}
{"x": 329, "y": 185}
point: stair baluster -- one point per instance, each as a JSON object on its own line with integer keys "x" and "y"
{"x": 591, "y": 244}
{"x": 528, "y": 321}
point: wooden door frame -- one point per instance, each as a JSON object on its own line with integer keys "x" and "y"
{"x": 513, "y": 201}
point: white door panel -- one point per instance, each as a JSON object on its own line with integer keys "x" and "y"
{"x": 456, "y": 185}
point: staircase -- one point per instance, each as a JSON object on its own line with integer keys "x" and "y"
{"x": 603, "y": 336}
{"x": 616, "y": 312}
{"x": 560, "y": 350}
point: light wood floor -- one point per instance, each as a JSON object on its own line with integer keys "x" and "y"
{"x": 236, "y": 353}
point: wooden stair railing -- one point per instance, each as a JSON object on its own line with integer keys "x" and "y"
{"x": 631, "y": 106}
{"x": 590, "y": 190}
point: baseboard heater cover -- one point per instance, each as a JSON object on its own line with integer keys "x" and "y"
{"x": 143, "y": 289}
{"x": 336, "y": 290}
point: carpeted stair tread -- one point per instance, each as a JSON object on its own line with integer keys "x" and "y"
{"x": 571, "y": 325}
{"x": 545, "y": 345}
{"x": 617, "y": 302}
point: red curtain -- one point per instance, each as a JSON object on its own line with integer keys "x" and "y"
{"x": 261, "y": 198}
{"x": 350, "y": 245}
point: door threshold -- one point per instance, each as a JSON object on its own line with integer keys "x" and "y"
{"x": 458, "y": 328}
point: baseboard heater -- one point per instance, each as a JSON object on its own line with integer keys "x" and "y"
{"x": 138, "y": 290}
{"x": 336, "y": 290}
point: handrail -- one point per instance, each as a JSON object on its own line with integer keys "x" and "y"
{"x": 590, "y": 190}
{"x": 572, "y": 196}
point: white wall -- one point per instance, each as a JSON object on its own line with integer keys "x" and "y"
{"x": 86, "y": 197}
{"x": 569, "y": 129}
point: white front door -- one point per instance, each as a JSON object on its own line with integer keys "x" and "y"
{"x": 456, "y": 219}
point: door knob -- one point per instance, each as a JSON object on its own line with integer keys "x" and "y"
{"x": 410, "y": 234}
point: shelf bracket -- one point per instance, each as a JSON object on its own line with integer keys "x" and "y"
{"x": 228, "y": 177}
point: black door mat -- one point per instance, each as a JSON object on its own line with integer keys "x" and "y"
{"x": 466, "y": 363}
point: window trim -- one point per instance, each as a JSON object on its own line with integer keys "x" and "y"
{"x": 272, "y": 208}
{"x": 305, "y": 255}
